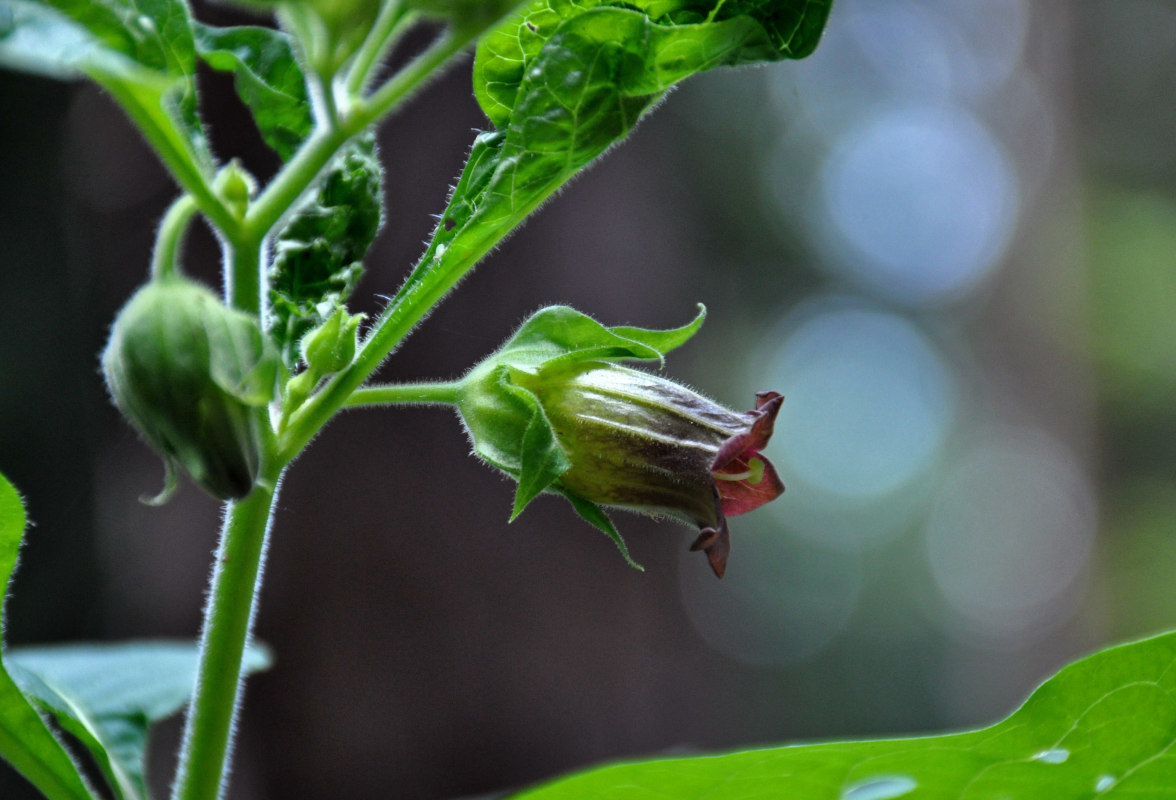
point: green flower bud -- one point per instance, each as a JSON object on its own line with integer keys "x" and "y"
{"x": 236, "y": 186}
{"x": 331, "y": 346}
{"x": 189, "y": 372}
{"x": 554, "y": 410}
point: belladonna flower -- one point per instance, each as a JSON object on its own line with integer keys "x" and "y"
{"x": 554, "y": 410}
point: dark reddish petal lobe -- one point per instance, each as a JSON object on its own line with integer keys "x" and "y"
{"x": 735, "y": 457}
{"x": 755, "y": 438}
{"x": 717, "y": 544}
{"x": 739, "y": 497}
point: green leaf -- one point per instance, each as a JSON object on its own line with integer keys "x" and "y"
{"x": 25, "y": 741}
{"x": 267, "y": 79}
{"x": 318, "y": 255}
{"x": 563, "y": 81}
{"x": 1103, "y": 726}
{"x": 141, "y": 51}
{"x": 109, "y": 695}
{"x": 677, "y": 38}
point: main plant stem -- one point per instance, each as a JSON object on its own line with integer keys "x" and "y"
{"x": 228, "y": 619}
{"x": 236, "y": 578}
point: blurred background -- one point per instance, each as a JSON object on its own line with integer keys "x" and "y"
{"x": 948, "y": 237}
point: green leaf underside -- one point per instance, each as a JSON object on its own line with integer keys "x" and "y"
{"x": 318, "y": 256}
{"x": 267, "y": 80}
{"x": 108, "y": 695}
{"x": 25, "y": 741}
{"x": 1104, "y": 726}
{"x": 141, "y": 51}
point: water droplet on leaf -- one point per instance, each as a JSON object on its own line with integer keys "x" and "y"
{"x": 1055, "y": 755}
{"x": 882, "y": 787}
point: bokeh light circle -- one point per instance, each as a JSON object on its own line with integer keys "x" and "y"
{"x": 869, "y": 400}
{"x": 1010, "y": 530}
{"x": 782, "y": 599}
{"x": 919, "y": 203}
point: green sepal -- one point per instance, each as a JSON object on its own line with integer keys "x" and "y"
{"x": 327, "y": 32}
{"x": 594, "y": 515}
{"x": 236, "y": 187}
{"x": 542, "y": 462}
{"x": 561, "y": 336}
{"x": 496, "y": 414}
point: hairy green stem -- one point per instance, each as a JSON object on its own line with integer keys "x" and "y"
{"x": 165, "y": 260}
{"x": 393, "y": 20}
{"x": 228, "y": 619}
{"x": 405, "y": 393}
{"x": 243, "y": 279}
{"x": 400, "y": 86}
{"x": 302, "y": 170}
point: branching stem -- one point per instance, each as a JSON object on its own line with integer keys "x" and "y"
{"x": 405, "y": 394}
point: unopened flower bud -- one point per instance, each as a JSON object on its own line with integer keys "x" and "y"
{"x": 188, "y": 373}
{"x": 331, "y": 346}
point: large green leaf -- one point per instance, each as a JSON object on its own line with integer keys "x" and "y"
{"x": 25, "y": 741}
{"x": 108, "y": 695}
{"x": 563, "y": 81}
{"x": 141, "y": 51}
{"x": 267, "y": 79}
{"x": 1104, "y": 726}
{"x": 318, "y": 255}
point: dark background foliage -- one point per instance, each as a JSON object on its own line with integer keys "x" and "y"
{"x": 947, "y": 238}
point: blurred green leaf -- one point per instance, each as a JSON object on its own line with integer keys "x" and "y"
{"x": 151, "y": 35}
{"x": 1132, "y": 299}
{"x": 25, "y": 741}
{"x": 141, "y": 51}
{"x": 1104, "y": 726}
{"x": 108, "y": 695}
{"x": 267, "y": 79}
{"x": 318, "y": 255}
